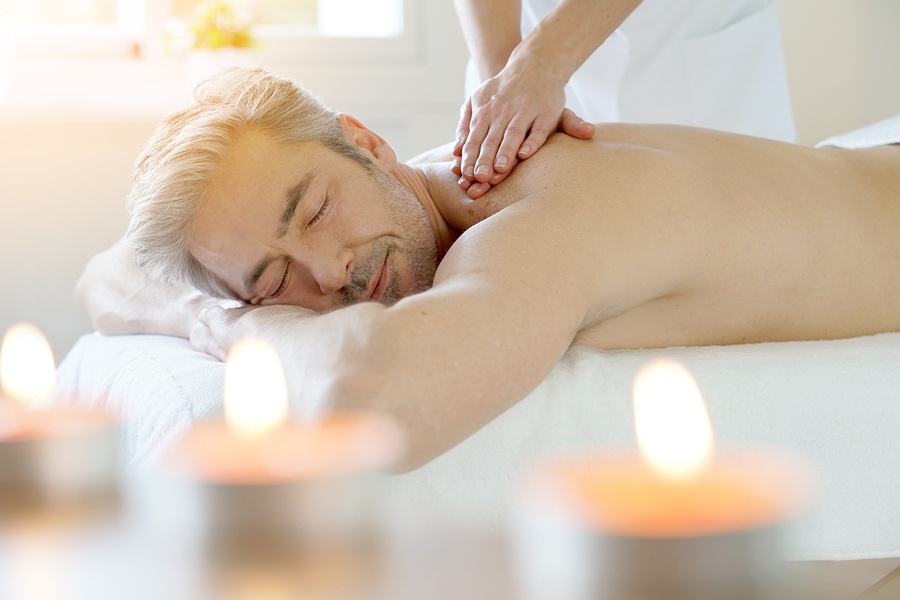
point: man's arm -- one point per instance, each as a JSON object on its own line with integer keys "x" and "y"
{"x": 121, "y": 299}
{"x": 443, "y": 362}
{"x": 509, "y": 298}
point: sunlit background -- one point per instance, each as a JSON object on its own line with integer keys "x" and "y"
{"x": 83, "y": 83}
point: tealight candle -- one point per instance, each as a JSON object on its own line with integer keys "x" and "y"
{"x": 51, "y": 460}
{"x": 678, "y": 522}
{"x": 267, "y": 484}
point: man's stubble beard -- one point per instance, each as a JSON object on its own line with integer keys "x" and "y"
{"x": 417, "y": 243}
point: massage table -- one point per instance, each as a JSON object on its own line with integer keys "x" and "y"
{"x": 836, "y": 403}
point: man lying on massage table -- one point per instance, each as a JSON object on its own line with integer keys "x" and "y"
{"x": 384, "y": 286}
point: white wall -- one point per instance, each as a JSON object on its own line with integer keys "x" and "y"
{"x": 62, "y": 188}
{"x": 65, "y": 160}
{"x": 843, "y": 60}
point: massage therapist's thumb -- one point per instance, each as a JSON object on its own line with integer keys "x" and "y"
{"x": 573, "y": 125}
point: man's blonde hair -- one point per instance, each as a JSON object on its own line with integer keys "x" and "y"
{"x": 187, "y": 148}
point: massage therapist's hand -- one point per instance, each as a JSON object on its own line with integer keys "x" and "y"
{"x": 507, "y": 119}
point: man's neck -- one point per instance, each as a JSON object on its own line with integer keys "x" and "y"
{"x": 435, "y": 195}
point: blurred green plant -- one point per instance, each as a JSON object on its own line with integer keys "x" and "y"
{"x": 218, "y": 26}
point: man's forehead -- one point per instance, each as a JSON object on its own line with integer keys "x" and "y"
{"x": 259, "y": 172}
{"x": 249, "y": 203}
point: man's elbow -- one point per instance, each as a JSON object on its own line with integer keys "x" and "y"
{"x": 93, "y": 299}
{"x": 110, "y": 324}
{"x": 102, "y": 320}
{"x": 87, "y": 300}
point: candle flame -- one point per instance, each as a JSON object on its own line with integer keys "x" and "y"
{"x": 255, "y": 389}
{"x": 674, "y": 434}
{"x": 26, "y": 363}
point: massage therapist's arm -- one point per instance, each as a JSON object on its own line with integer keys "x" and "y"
{"x": 521, "y": 100}
{"x": 120, "y": 299}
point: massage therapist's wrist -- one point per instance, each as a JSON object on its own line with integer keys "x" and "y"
{"x": 493, "y": 62}
{"x": 544, "y": 67}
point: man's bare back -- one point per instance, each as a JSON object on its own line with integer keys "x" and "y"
{"x": 694, "y": 237}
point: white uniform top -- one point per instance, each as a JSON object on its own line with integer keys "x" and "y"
{"x": 708, "y": 63}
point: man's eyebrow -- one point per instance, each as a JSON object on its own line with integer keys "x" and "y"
{"x": 294, "y": 197}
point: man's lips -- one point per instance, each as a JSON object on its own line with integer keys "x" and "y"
{"x": 378, "y": 283}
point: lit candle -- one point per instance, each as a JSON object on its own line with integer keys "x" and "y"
{"x": 51, "y": 460}
{"x": 267, "y": 484}
{"x": 676, "y": 522}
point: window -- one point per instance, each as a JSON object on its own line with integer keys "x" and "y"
{"x": 370, "y": 57}
{"x": 61, "y": 11}
{"x": 110, "y": 28}
{"x": 336, "y": 18}
{"x": 87, "y": 28}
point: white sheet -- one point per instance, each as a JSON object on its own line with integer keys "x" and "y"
{"x": 836, "y": 402}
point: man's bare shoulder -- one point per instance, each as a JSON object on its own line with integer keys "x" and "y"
{"x": 460, "y": 211}
{"x": 563, "y": 165}
{"x": 619, "y": 159}
{"x": 574, "y": 171}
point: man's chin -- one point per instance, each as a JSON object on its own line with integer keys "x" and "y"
{"x": 396, "y": 291}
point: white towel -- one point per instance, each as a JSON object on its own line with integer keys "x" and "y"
{"x": 835, "y": 402}
{"x": 156, "y": 384}
{"x": 881, "y": 133}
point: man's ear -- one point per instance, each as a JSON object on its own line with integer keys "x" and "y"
{"x": 370, "y": 143}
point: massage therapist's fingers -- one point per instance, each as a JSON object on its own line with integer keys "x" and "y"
{"x": 476, "y": 119}
{"x": 471, "y": 150}
{"x": 478, "y": 189}
{"x": 574, "y": 126}
{"x": 462, "y": 130}
{"x": 541, "y": 129}
{"x": 498, "y": 177}
{"x": 512, "y": 140}
{"x": 484, "y": 164}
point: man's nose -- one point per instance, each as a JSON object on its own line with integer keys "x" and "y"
{"x": 332, "y": 270}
